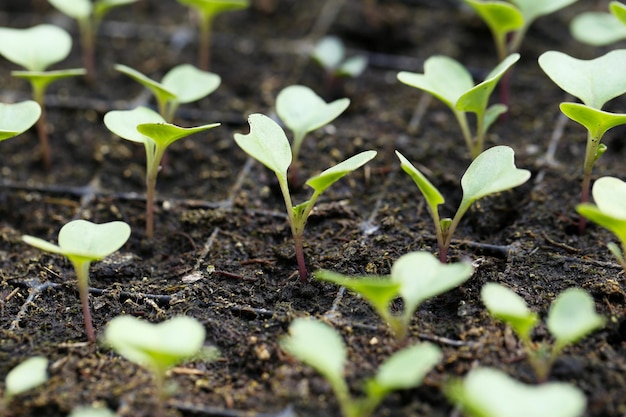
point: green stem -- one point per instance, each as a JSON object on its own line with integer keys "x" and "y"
{"x": 467, "y": 135}
{"x": 87, "y": 30}
{"x": 443, "y": 254}
{"x": 479, "y": 143}
{"x": 154, "y": 154}
{"x": 204, "y": 42}
{"x": 81, "y": 266}
{"x": 297, "y": 229}
{"x": 591, "y": 152}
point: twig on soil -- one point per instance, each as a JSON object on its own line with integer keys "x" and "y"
{"x": 548, "y": 160}
{"x": 223, "y": 412}
{"x": 418, "y": 113}
{"x": 34, "y": 289}
{"x": 369, "y": 226}
{"x": 447, "y": 341}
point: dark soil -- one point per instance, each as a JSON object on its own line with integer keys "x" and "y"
{"x": 223, "y": 252}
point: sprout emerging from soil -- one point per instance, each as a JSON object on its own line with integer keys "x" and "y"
{"x": 146, "y": 126}
{"x": 83, "y": 242}
{"x": 488, "y": 392}
{"x": 207, "y": 10}
{"x": 594, "y": 82}
{"x": 330, "y": 54}
{"x": 415, "y": 277}
{"x": 35, "y": 49}
{"x": 600, "y": 28}
{"x": 268, "y": 144}
{"x": 450, "y": 82}
{"x": 321, "y": 347}
{"x": 182, "y": 84}
{"x": 609, "y": 212}
{"x": 491, "y": 172}
{"x": 572, "y": 316}
{"x": 27, "y": 375}
{"x": 156, "y": 347}
{"x": 17, "y": 118}
{"x": 88, "y": 15}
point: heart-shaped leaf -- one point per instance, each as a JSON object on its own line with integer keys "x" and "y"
{"x": 26, "y": 376}
{"x": 124, "y": 122}
{"x": 160, "y": 91}
{"x": 596, "y": 121}
{"x": 597, "y": 28}
{"x": 333, "y": 174}
{"x": 189, "y": 83}
{"x": 164, "y": 134}
{"x": 532, "y": 9}
{"x": 609, "y": 194}
{"x": 572, "y": 316}
{"x": 35, "y": 48}
{"x": 329, "y": 52}
{"x": 509, "y": 307}
{"x": 76, "y": 9}
{"x": 214, "y": 7}
{"x": 17, "y": 118}
{"x": 501, "y": 17}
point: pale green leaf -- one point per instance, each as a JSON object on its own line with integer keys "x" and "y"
{"x": 431, "y": 193}
{"x": 596, "y": 121}
{"x": 618, "y": 10}
{"x": 92, "y": 412}
{"x": 532, "y": 9}
{"x": 609, "y": 193}
{"x": 102, "y": 7}
{"x": 161, "y": 92}
{"x": 27, "y": 375}
{"x": 491, "y": 115}
{"x": 124, "y": 122}
{"x": 76, "y": 9}
{"x": 329, "y": 52}
{"x": 214, "y": 7}
{"x": 597, "y": 28}
{"x": 35, "y": 48}
{"x": 164, "y": 134}
{"x": 509, "y": 307}
{"x": 333, "y": 174}
{"x": 189, "y": 83}
{"x": 352, "y": 67}
{"x": 17, "y": 118}
{"x": 572, "y": 316}
{"x": 500, "y": 16}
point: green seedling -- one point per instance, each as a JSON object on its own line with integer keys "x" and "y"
{"x": 321, "y": 347}
{"x": 600, "y": 28}
{"x": 609, "y": 194}
{"x": 156, "y": 347}
{"x": 452, "y": 83}
{"x": 268, "y": 144}
{"x": 92, "y": 412}
{"x": 572, "y": 316}
{"x": 27, "y": 375}
{"x": 415, "y": 277}
{"x": 35, "y": 49}
{"x": 488, "y": 392}
{"x": 491, "y": 172}
{"x": 594, "y": 82}
{"x": 182, "y": 84}
{"x": 330, "y": 54}
{"x": 88, "y": 15}
{"x": 207, "y": 10}
{"x": 83, "y": 242}
{"x": 146, "y": 126}
{"x": 17, "y": 118}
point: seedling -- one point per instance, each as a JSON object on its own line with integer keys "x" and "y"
{"x": 207, "y": 10}
{"x": 35, "y": 49}
{"x": 491, "y": 172}
{"x": 321, "y": 347}
{"x": 330, "y": 54}
{"x": 572, "y": 316}
{"x": 600, "y": 28}
{"x": 146, "y": 126}
{"x": 88, "y": 15}
{"x": 156, "y": 347}
{"x": 182, "y": 84}
{"x": 92, "y": 412}
{"x": 268, "y": 144}
{"x": 452, "y": 83}
{"x": 488, "y": 392}
{"x": 594, "y": 82}
{"x": 83, "y": 242}
{"x": 17, "y": 118}
{"x": 609, "y": 193}
{"x": 415, "y": 277}
{"x": 27, "y": 375}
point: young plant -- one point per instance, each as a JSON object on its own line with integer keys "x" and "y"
{"x": 35, "y": 49}
{"x": 92, "y": 412}
{"x": 600, "y": 28}
{"x": 491, "y": 172}
{"x": 450, "y": 82}
{"x": 572, "y": 316}
{"x": 268, "y": 144}
{"x": 156, "y": 347}
{"x": 146, "y": 126}
{"x": 83, "y": 242}
{"x": 415, "y": 277}
{"x": 182, "y": 84}
{"x": 330, "y": 54}
{"x": 207, "y": 10}
{"x": 594, "y": 82}
{"x": 321, "y": 347}
{"x": 27, "y": 375}
{"x": 488, "y": 392}
{"x": 88, "y": 15}
{"x": 17, "y": 118}
{"x": 609, "y": 193}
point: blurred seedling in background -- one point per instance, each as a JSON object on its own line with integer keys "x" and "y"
{"x": 84, "y": 242}
{"x": 146, "y": 126}
{"x": 88, "y": 411}
{"x": 29, "y": 374}
{"x": 322, "y": 348}
{"x": 488, "y": 392}
{"x": 268, "y": 144}
{"x": 17, "y": 118}
{"x": 600, "y": 28}
{"x": 491, "y": 172}
{"x": 206, "y": 11}
{"x": 330, "y": 54}
{"x": 158, "y": 347}
{"x": 88, "y": 14}
{"x": 415, "y": 277}
{"x": 35, "y": 49}
{"x": 572, "y": 316}
{"x": 609, "y": 211}
{"x": 594, "y": 82}
{"x": 450, "y": 82}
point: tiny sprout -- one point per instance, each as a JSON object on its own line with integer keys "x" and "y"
{"x": 17, "y": 118}
{"x": 491, "y": 172}
{"x": 35, "y": 49}
{"x": 92, "y": 412}
{"x": 207, "y": 11}
{"x": 600, "y": 28}
{"x": 415, "y": 277}
{"x": 321, "y": 347}
{"x": 594, "y": 82}
{"x": 182, "y": 84}
{"x": 330, "y": 54}
{"x": 268, "y": 144}
{"x": 27, "y": 375}
{"x": 572, "y": 316}
{"x": 88, "y": 15}
{"x": 156, "y": 347}
{"x": 148, "y": 127}
{"x": 488, "y": 392}
{"x": 452, "y": 83}
{"x": 83, "y": 242}
{"x": 609, "y": 193}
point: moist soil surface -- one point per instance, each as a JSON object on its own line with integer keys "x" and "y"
{"x": 223, "y": 251}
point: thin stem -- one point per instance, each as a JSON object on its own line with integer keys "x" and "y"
{"x": 154, "y": 154}
{"x": 81, "y": 266}
{"x": 591, "y": 152}
{"x": 204, "y": 42}
{"x": 479, "y": 143}
{"x": 443, "y": 255}
{"x": 467, "y": 135}
{"x": 87, "y": 39}
{"x": 296, "y": 231}
{"x": 159, "y": 386}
